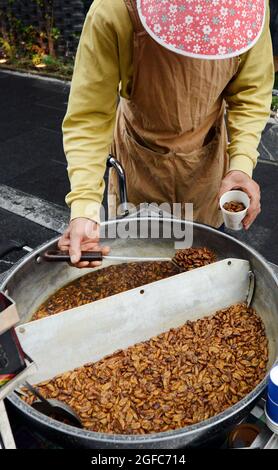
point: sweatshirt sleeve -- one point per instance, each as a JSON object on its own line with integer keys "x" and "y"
{"x": 248, "y": 97}
{"x": 89, "y": 122}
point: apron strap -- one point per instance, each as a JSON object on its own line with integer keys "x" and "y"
{"x": 134, "y": 15}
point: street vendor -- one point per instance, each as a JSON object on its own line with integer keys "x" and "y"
{"x": 176, "y": 66}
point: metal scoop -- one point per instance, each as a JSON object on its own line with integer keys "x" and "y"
{"x": 53, "y": 408}
{"x": 63, "y": 256}
{"x": 179, "y": 260}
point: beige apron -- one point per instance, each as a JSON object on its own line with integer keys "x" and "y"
{"x": 170, "y": 136}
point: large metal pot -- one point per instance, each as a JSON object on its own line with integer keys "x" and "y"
{"x": 32, "y": 281}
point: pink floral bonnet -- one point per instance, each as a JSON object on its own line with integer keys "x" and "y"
{"x": 208, "y": 29}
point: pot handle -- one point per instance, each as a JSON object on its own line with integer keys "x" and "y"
{"x": 63, "y": 256}
{"x": 10, "y": 245}
{"x": 112, "y": 162}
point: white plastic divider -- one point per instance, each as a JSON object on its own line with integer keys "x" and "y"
{"x": 70, "y": 339}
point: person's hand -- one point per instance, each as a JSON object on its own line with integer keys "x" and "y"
{"x": 240, "y": 180}
{"x": 82, "y": 235}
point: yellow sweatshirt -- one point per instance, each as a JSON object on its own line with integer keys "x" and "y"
{"x": 104, "y": 66}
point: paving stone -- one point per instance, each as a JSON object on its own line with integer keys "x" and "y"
{"x": 48, "y": 181}
{"x": 14, "y": 227}
{"x": 24, "y": 152}
{"x": 261, "y": 239}
{"x": 267, "y": 177}
{"x": 269, "y": 143}
{"x": 38, "y": 210}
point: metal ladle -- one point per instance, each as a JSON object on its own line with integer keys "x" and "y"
{"x": 53, "y": 408}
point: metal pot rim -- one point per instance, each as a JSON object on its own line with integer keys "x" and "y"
{"x": 133, "y": 438}
{"x": 44, "y": 246}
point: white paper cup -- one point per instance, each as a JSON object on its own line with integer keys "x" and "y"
{"x": 232, "y": 220}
